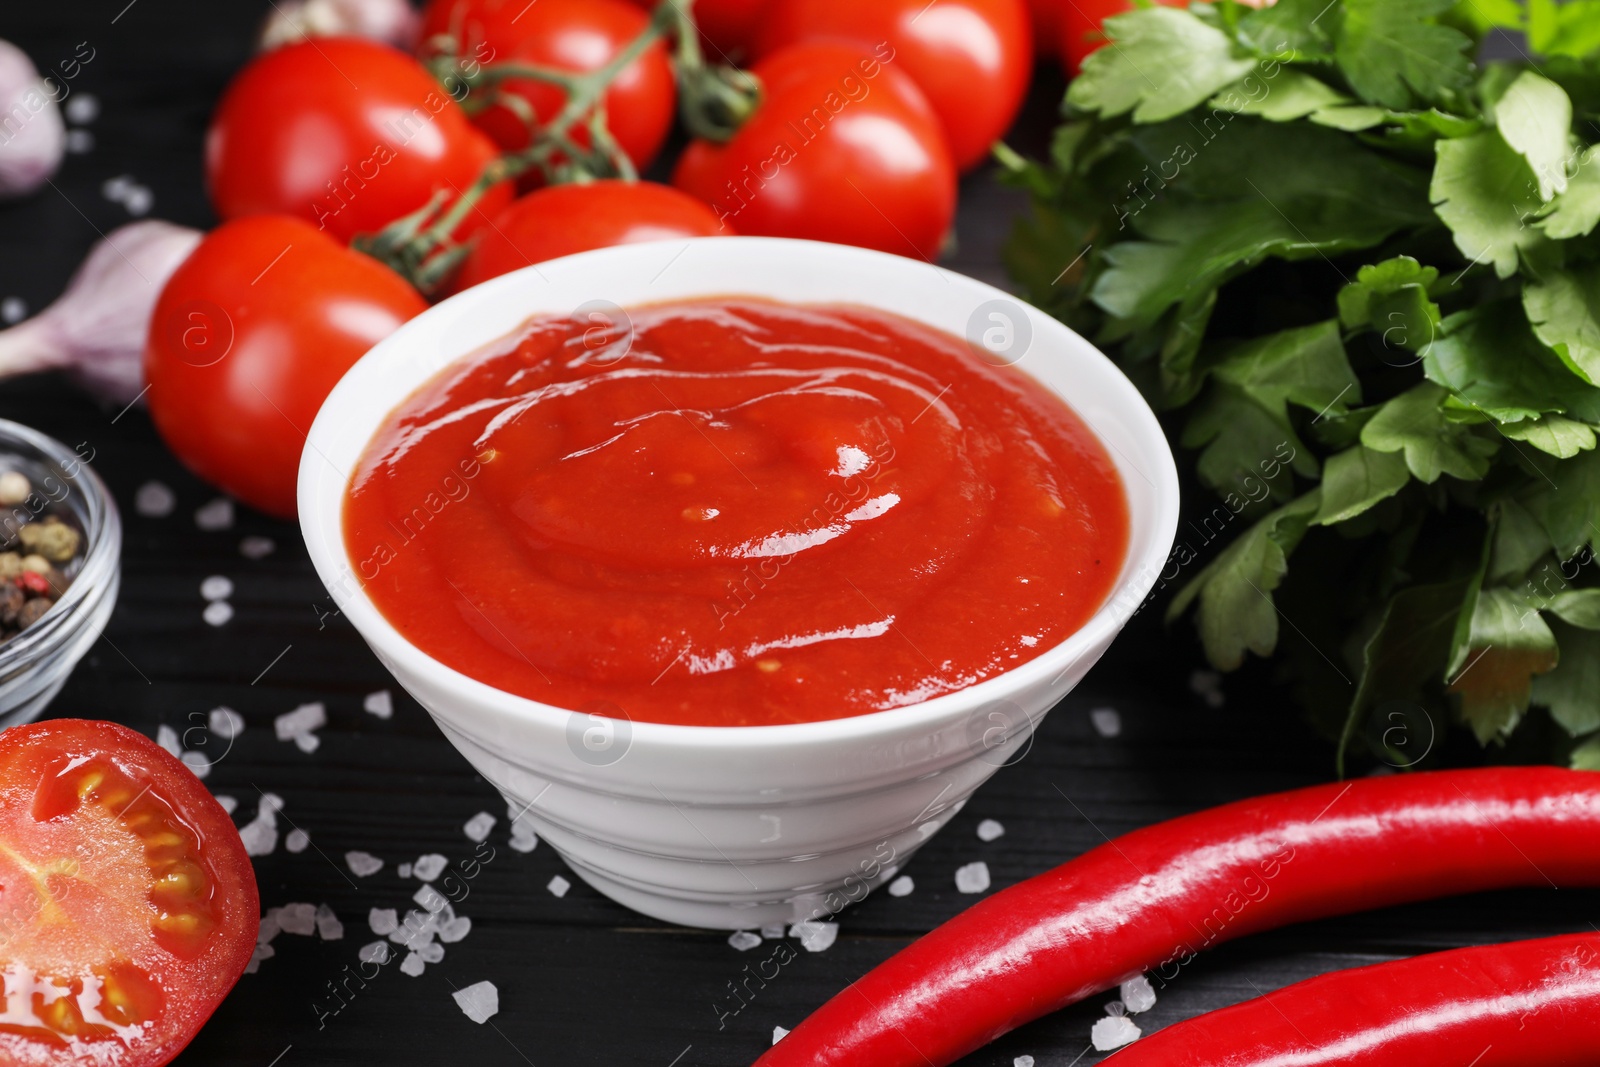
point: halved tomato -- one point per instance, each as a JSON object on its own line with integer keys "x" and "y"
{"x": 128, "y": 907}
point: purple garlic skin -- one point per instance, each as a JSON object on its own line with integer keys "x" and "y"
{"x": 96, "y": 330}
{"x": 32, "y": 135}
{"x": 392, "y": 22}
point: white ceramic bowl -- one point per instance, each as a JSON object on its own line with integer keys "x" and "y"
{"x": 737, "y": 827}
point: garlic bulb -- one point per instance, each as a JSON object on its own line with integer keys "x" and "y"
{"x": 96, "y": 330}
{"x": 390, "y": 21}
{"x": 32, "y": 135}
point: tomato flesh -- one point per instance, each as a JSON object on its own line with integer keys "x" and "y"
{"x": 129, "y": 905}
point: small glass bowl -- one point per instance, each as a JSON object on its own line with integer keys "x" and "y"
{"x": 34, "y": 665}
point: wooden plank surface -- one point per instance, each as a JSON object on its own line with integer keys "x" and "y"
{"x": 581, "y": 980}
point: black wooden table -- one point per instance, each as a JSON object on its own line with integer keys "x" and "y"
{"x": 581, "y": 980}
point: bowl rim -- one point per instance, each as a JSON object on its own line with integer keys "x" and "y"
{"x": 1141, "y": 568}
{"x": 102, "y": 533}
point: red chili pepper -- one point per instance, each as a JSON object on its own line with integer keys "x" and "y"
{"x": 1150, "y": 900}
{"x": 34, "y": 583}
{"x": 1532, "y": 1002}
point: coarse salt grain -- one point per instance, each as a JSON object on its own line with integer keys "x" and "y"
{"x": 225, "y": 723}
{"x": 1113, "y": 1031}
{"x": 307, "y": 743}
{"x": 216, "y": 587}
{"x": 302, "y": 720}
{"x": 82, "y": 108}
{"x": 297, "y": 841}
{"x": 404, "y": 870}
{"x": 431, "y": 952}
{"x": 114, "y": 189}
{"x": 228, "y": 804}
{"x": 260, "y": 835}
{"x": 362, "y": 864}
{"x": 772, "y": 932}
{"x": 257, "y": 547}
{"x": 217, "y": 515}
{"x": 478, "y": 827}
{"x": 269, "y": 926}
{"x": 1022, "y": 1061}
{"x": 479, "y": 1002}
{"x": 1138, "y": 994}
{"x": 260, "y": 953}
{"x": 329, "y": 928}
{"x": 217, "y": 613}
{"x": 559, "y": 886}
{"x": 167, "y": 738}
{"x": 197, "y": 763}
{"x": 744, "y": 940}
{"x": 456, "y": 929}
{"x": 523, "y": 838}
{"x": 299, "y": 919}
{"x": 429, "y": 867}
{"x": 990, "y": 830}
{"x": 154, "y": 500}
{"x": 1107, "y": 721}
{"x": 430, "y": 899}
{"x": 973, "y": 878}
{"x": 14, "y": 309}
{"x": 139, "y": 200}
{"x": 383, "y": 921}
{"x": 413, "y": 965}
{"x": 778, "y": 1034}
{"x": 902, "y": 886}
{"x": 815, "y": 936}
{"x": 380, "y": 704}
{"x": 377, "y": 952}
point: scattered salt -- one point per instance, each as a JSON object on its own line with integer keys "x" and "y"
{"x": 257, "y": 547}
{"x": 307, "y": 743}
{"x": 269, "y": 926}
{"x": 478, "y": 827}
{"x": 260, "y": 835}
{"x": 217, "y": 515}
{"x": 744, "y": 940}
{"x": 139, "y": 201}
{"x": 383, "y": 921}
{"x": 262, "y": 952}
{"x": 362, "y": 864}
{"x": 431, "y": 952}
{"x": 1107, "y": 721}
{"x": 778, "y": 1034}
{"x": 216, "y": 587}
{"x": 377, "y": 952}
{"x": 225, "y": 723}
{"x": 429, "y": 867}
{"x": 973, "y": 878}
{"x": 404, "y": 870}
{"x": 1138, "y": 994}
{"x": 902, "y": 886}
{"x": 815, "y": 936}
{"x": 990, "y": 830}
{"x": 523, "y": 838}
{"x": 1022, "y": 1061}
{"x": 412, "y": 965}
{"x": 228, "y": 804}
{"x": 197, "y": 763}
{"x": 13, "y": 309}
{"x": 217, "y": 613}
{"x": 1113, "y": 1031}
{"x": 456, "y": 929}
{"x": 479, "y": 1001}
{"x": 80, "y": 142}
{"x": 329, "y": 928}
{"x": 154, "y": 500}
{"x": 167, "y": 738}
{"x": 559, "y": 886}
{"x": 299, "y": 919}
{"x": 380, "y": 704}
{"x": 772, "y": 932}
{"x": 82, "y": 108}
{"x": 114, "y": 189}
{"x": 430, "y": 899}
{"x": 301, "y": 720}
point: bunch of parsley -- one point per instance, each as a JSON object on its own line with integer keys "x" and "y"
{"x": 1360, "y": 271}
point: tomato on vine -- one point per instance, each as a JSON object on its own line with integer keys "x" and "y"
{"x": 347, "y": 134}
{"x": 972, "y": 58}
{"x": 250, "y": 336}
{"x": 565, "y": 219}
{"x": 571, "y": 36}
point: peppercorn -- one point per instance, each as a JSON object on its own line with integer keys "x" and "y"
{"x": 52, "y": 539}
{"x": 10, "y": 565}
{"x": 33, "y": 610}
{"x": 11, "y": 601}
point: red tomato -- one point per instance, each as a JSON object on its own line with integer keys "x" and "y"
{"x": 573, "y": 35}
{"x": 131, "y": 907}
{"x": 248, "y": 338}
{"x": 727, "y": 27}
{"x": 972, "y": 58}
{"x": 1079, "y": 21}
{"x": 565, "y": 219}
{"x": 1046, "y": 15}
{"x": 844, "y": 148}
{"x": 346, "y": 133}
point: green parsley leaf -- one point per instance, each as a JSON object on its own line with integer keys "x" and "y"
{"x": 1586, "y": 757}
{"x": 1293, "y": 94}
{"x": 1481, "y": 16}
{"x": 1519, "y": 541}
{"x": 1572, "y": 690}
{"x": 1580, "y": 608}
{"x": 1491, "y": 361}
{"x": 1236, "y": 434}
{"x": 1414, "y": 423}
{"x": 1392, "y": 298}
{"x": 1576, "y": 212}
{"x": 1355, "y": 480}
{"x": 1305, "y": 366}
{"x": 1564, "y": 308}
{"x": 1555, "y": 435}
{"x": 1507, "y": 644}
{"x": 1235, "y": 590}
{"x": 1289, "y": 27}
{"x": 1566, "y": 501}
{"x": 1486, "y": 193}
{"x": 1161, "y": 62}
{"x": 1535, "y": 118}
{"x": 1570, "y": 29}
{"x": 1393, "y": 54}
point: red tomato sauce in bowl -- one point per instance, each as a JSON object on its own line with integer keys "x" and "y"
{"x": 735, "y": 512}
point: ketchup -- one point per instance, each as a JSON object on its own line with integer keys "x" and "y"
{"x": 734, "y": 512}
